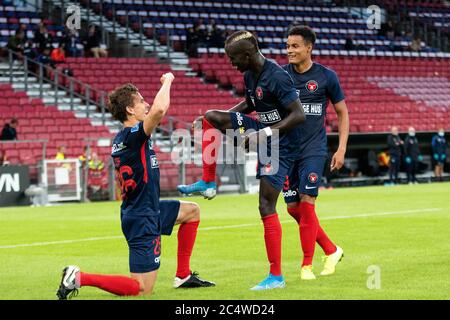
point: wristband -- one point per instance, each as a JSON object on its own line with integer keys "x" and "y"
{"x": 267, "y": 131}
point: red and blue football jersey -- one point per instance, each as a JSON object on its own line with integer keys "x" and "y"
{"x": 137, "y": 171}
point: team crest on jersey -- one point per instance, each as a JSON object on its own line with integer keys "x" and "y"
{"x": 312, "y": 177}
{"x": 312, "y": 86}
{"x": 259, "y": 93}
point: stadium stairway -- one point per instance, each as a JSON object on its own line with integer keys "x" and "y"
{"x": 179, "y": 60}
{"x": 32, "y": 87}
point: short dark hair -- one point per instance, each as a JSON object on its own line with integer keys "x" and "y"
{"x": 14, "y": 121}
{"x": 121, "y": 98}
{"x": 242, "y": 35}
{"x": 306, "y": 32}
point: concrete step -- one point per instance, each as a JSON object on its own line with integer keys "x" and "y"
{"x": 22, "y": 79}
{"x": 21, "y": 86}
{"x": 77, "y": 108}
{"x": 36, "y": 93}
{"x": 51, "y": 100}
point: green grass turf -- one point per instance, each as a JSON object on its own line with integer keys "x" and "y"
{"x": 404, "y": 230}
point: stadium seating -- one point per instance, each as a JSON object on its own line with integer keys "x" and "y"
{"x": 37, "y": 121}
{"x": 11, "y": 16}
{"x": 268, "y": 19}
{"x": 406, "y": 91}
{"x": 435, "y": 12}
{"x": 190, "y": 98}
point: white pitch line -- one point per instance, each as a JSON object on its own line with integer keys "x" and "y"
{"x": 373, "y": 214}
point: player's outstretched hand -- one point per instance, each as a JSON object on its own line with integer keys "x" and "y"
{"x": 337, "y": 161}
{"x": 167, "y": 77}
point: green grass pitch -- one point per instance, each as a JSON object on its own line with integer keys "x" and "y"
{"x": 404, "y": 231}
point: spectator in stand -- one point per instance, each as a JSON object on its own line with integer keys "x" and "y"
{"x": 214, "y": 35}
{"x": 23, "y": 28}
{"x": 439, "y": 149}
{"x": 387, "y": 29}
{"x": 96, "y": 163}
{"x": 416, "y": 44}
{"x": 349, "y": 44}
{"x": 61, "y": 153}
{"x": 412, "y": 155}
{"x": 42, "y": 37}
{"x": 58, "y": 54}
{"x": 71, "y": 39}
{"x": 395, "y": 153}
{"x": 45, "y": 59}
{"x": 92, "y": 43}
{"x": 16, "y": 43}
{"x": 84, "y": 156}
{"x": 192, "y": 40}
{"x": 3, "y": 158}
{"x": 9, "y": 131}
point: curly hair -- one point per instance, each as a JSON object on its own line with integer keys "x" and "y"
{"x": 121, "y": 98}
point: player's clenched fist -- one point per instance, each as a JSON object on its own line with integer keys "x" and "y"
{"x": 167, "y": 77}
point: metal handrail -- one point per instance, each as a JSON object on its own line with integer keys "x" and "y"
{"x": 58, "y": 85}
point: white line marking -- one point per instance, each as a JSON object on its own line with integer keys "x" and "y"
{"x": 365, "y": 215}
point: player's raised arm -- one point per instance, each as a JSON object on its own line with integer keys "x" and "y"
{"x": 160, "y": 104}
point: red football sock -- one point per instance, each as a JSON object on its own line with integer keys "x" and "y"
{"x": 293, "y": 211}
{"x": 186, "y": 239}
{"x": 272, "y": 238}
{"x": 309, "y": 224}
{"x": 119, "y": 285}
{"x": 210, "y": 150}
{"x": 322, "y": 239}
{"x": 324, "y": 242}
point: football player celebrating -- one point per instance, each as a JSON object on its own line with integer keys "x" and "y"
{"x": 144, "y": 217}
{"x": 271, "y": 93}
{"x": 315, "y": 84}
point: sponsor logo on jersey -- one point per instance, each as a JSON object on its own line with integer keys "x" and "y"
{"x": 154, "y": 161}
{"x": 312, "y": 109}
{"x": 241, "y": 130}
{"x": 290, "y": 193}
{"x": 313, "y": 177}
{"x": 259, "y": 93}
{"x": 308, "y": 187}
{"x": 269, "y": 116}
{"x": 116, "y": 147}
{"x": 312, "y": 86}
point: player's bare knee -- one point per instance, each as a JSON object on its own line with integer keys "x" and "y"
{"x": 265, "y": 207}
{"x": 190, "y": 212}
{"x": 307, "y": 198}
{"x": 194, "y": 212}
